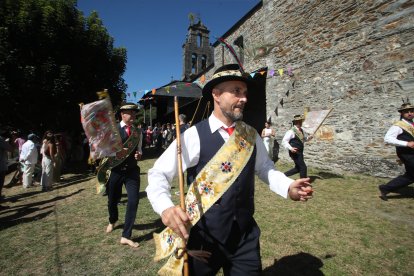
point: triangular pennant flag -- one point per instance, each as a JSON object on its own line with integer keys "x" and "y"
{"x": 153, "y": 91}
{"x": 252, "y": 75}
{"x": 272, "y": 73}
{"x": 167, "y": 89}
{"x": 287, "y": 93}
{"x": 128, "y": 94}
{"x": 276, "y": 111}
{"x": 281, "y": 102}
{"x": 290, "y": 73}
{"x": 135, "y": 94}
{"x": 146, "y": 91}
{"x": 188, "y": 84}
{"x": 262, "y": 72}
{"x": 203, "y": 79}
{"x": 280, "y": 72}
{"x": 174, "y": 86}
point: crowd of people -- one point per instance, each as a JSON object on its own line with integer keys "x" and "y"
{"x": 39, "y": 162}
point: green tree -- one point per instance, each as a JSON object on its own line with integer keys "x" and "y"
{"x": 52, "y": 58}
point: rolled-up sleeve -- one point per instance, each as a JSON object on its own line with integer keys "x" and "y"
{"x": 278, "y": 182}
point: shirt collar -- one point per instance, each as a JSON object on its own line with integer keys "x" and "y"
{"x": 216, "y": 124}
{"x": 122, "y": 123}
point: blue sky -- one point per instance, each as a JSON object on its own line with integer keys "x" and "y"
{"x": 153, "y": 32}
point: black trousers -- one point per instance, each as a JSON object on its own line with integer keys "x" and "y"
{"x": 240, "y": 255}
{"x": 300, "y": 166}
{"x": 131, "y": 180}
{"x": 401, "y": 180}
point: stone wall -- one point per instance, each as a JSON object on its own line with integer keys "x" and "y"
{"x": 356, "y": 57}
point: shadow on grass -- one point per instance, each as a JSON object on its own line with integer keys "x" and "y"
{"x": 329, "y": 175}
{"x": 298, "y": 264}
{"x": 75, "y": 179}
{"x": 72, "y": 180}
{"x": 21, "y": 213}
{"x": 157, "y": 226}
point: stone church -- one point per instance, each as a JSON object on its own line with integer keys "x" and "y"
{"x": 354, "y": 57}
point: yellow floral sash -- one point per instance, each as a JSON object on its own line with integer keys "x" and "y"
{"x": 298, "y": 134}
{"x": 406, "y": 127}
{"x": 105, "y": 166}
{"x": 209, "y": 185}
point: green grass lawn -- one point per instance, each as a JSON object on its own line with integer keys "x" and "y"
{"x": 344, "y": 230}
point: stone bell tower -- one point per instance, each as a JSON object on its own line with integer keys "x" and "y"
{"x": 197, "y": 51}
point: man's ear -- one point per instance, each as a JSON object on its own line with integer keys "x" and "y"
{"x": 215, "y": 93}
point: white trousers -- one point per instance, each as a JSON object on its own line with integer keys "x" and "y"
{"x": 47, "y": 172}
{"x": 28, "y": 170}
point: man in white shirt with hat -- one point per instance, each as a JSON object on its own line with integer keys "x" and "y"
{"x": 224, "y": 154}
{"x": 401, "y": 135}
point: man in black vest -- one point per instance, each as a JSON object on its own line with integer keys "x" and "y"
{"x": 294, "y": 141}
{"x": 401, "y": 135}
{"x": 227, "y": 229}
{"x": 126, "y": 173}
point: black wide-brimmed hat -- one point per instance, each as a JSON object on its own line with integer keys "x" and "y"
{"x": 228, "y": 72}
{"x": 405, "y": 106}
{"x": 129, "y": 106}
{"x": 300, "y": 117}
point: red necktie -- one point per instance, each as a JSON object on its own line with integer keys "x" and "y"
{"x": 128, "y": 130}
{"x": 229, "y": 130}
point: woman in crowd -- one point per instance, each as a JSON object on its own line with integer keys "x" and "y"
{"x": 268, "y": 135}
{"x": 48, "y": 152}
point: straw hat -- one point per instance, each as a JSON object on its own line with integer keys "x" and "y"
{"x": 300, "y": 117}
{"x": 228, "y": 72}
{"x": 405, "y": 106}
{"x": 129, "y": 106}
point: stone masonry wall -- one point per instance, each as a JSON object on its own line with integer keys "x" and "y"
{"x": 356, "y": 57}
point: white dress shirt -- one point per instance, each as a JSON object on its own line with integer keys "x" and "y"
{"x": 392, "y": 133}
{"x": 289, "y": 135}
{"x": 29, "y": 153}
{"x": 166, "y": 166}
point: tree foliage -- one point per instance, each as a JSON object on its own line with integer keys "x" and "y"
{"x": 52, "y": 58}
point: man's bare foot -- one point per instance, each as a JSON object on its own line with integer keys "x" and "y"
{"x": 129, "y": 242}
{"x": 110, "y": 228}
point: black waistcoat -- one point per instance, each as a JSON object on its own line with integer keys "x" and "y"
{"x": 406, "y": 154}
{"x": 296, "y": 142}
{"x": 130, "y": 162}
{"x": 237, "y": 203}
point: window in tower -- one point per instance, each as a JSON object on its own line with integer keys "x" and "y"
{"x": 193, "y": 63}
{"x": 203, "y": 62}
{"x": 199, "y": 40}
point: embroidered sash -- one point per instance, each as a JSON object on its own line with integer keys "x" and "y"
{"x": 298, "y": 134}
{"x": 107, "y": 163}
{"x": 209, "y": 185}
{"x": 406, "y": 127}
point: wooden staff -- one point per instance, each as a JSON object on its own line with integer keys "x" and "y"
{"x": 180, "y": 173}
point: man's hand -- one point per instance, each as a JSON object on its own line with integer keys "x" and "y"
{"x": 410, "y": 144}
{"x": 294, "y": 150}
{"x": 178, "y": 220}
{"x": 138, "y": 155}
{"x": 300, "y": 189}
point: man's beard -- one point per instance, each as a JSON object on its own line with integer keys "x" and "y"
{"x": 233, "y": 116}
